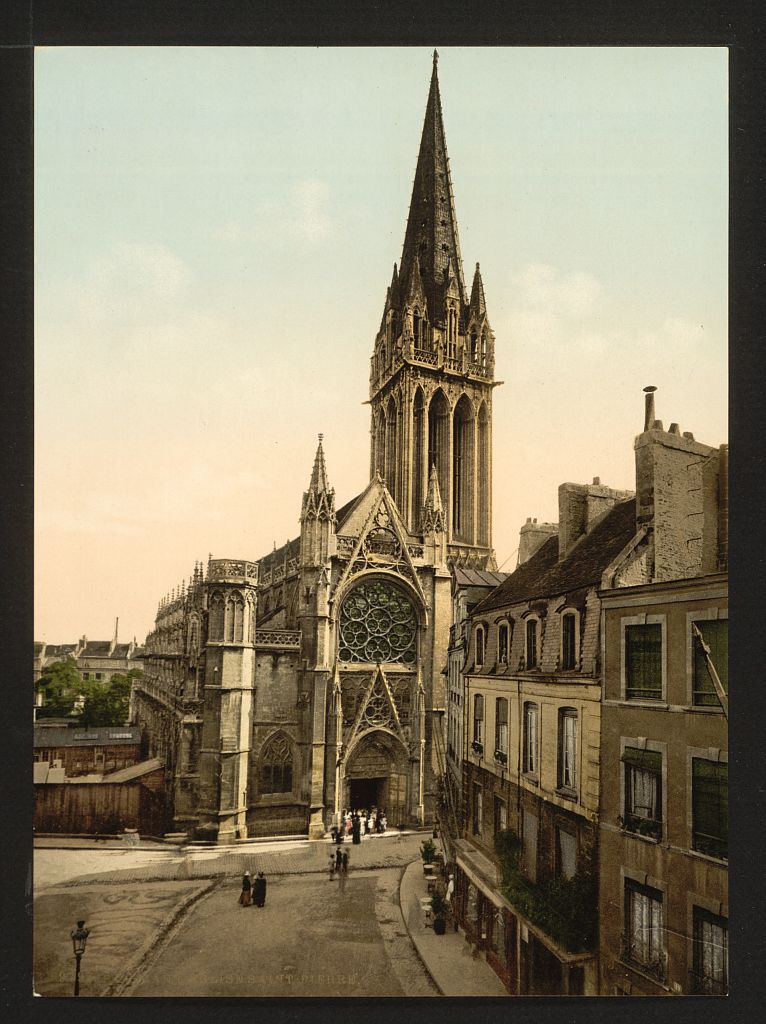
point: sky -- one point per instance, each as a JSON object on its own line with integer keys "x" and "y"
{"x": 215, "y": 229}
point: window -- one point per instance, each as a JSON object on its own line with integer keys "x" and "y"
{"x": 478, "y": 809}
{"x": 643, "y": 661}
{"x": 378, "y": 624}
{"x": 568, "y": 641}
{"x": 529, "y": 846}
{"x": 567, "y": 774}
{"x": 710, "y": 807}
{"x": 478, "y": 723}
{"x": 497, "y": 932}
{"x": 643, "y": 941}
{"x": 277, "y": 766}
{"x": 98, "y": 675}
{"x": 500, "y": 816}
{"x": 502, "y": 643}
{"x": 643, "y": 791}
{"x": 531, "y": 660}
{"x": 86, "y": 675}
{"x": 501, "y": 730}
{"x": 710, "y": 970}
{"x": 566, "y": 853}
{"x": 716, "y": 635}
{"x": 529, "y": 759}
{"x": 479, "y": 646}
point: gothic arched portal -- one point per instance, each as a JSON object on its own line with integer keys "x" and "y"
{"x": 377, "y": 773}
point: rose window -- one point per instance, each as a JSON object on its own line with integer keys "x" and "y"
{"x": 377, "y": 623}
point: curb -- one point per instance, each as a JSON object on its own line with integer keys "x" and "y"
{"x": 418, "y": 954}
{"x": 144, "y": 957}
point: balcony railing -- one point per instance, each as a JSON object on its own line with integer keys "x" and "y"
{"x": 633, "y": 957}
{"x": 648, "y": 827}
{"x": 477, "y": 747}
{"x": 701, "y": 984}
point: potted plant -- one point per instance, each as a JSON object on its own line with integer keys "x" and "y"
{"x": 439, "y": 908}
{"x": 428, "y": 853}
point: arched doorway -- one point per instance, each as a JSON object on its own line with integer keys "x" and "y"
{"x": 377, "y": 775}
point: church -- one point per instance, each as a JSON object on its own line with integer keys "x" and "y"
{"x": 280, "y": 691}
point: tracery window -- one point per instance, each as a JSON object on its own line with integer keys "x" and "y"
{"x": 378, "y": 624}
{"x": 277, "y": 766}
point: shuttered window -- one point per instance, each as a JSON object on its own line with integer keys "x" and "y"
{"x": 643, "y": 662}
{"x": 710, "y": 807}
{"x": 716, "y": 636}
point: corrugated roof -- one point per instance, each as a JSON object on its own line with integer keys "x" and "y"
{"x": 478, "y": 577}
{"x": 66, "y": 736}
{"x": 544, "y": 576}
{"x": 134, "y": 771}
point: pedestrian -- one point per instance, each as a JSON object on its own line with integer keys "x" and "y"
{"x": 356, "y": 830}
{"x": 260, "y": 890}
{"x": 338, "y": 860}
{"x": 343, "y": 874}
{"x": 246, "y": 894}
{"x": 362, "y": 825}
{"x": 450, "y": 889}
{"x": 334, "y": 834}
{"x": 332, "y": 866}
{"x": 383, "y": 822}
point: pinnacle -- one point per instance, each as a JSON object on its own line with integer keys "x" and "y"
{"x": 319, "y": 473}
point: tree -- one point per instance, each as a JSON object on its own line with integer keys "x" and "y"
{"x": 107, "y": 703}
{"x": 61, "y": 685}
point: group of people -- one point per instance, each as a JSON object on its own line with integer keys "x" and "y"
{"x": 358, "y": 824}
{"x": 339, "y": 867}
{"x": 253, "y": 891}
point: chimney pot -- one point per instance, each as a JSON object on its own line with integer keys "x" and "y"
{"x": 674, "y": 428}
{"x": 597, "y": 480}
{"x": 688, "y": 435}
{"x": 657, "y": 425}
{"x": 649, "y": 406}
{"x": 529, "y": 519}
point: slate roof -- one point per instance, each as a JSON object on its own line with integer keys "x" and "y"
{"x": 343, "y": 513}
{"x": 544, "y": 576}
{"x": 96, "y": 649}
{"x": 68, "y": 736}
{"x": 121, "y": 651}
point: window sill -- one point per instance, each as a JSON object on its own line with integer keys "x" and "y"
{"x": 656, "y": 705}
{"x": 703, "y": 709}
{"x": 566, "y": 793}
{"x": 531, "y": 777}
{"x": 709, "y": 857}
{"x": 632, "y": 834}
{"x": 638, "y": 969}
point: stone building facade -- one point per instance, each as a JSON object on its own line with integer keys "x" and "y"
{"x": 282, "y": 690}
{"x": 664, "y": 735}
{"x": 531, "y": 749}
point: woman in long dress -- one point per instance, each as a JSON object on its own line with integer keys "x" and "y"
{"x": 246, "y": 895}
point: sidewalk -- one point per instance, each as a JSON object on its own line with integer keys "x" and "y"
{"x": 447, "y": 958}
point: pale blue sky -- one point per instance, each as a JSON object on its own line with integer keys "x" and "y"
{"x": 215, "y": 230}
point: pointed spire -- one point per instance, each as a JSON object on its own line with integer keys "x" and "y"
{"x": 478, "y": 304}
{"x": 433, "y": 510}
{"x": 319, "y": 473}
{"x": 431, "y": 232}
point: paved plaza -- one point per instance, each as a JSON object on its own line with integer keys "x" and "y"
{"x": 167, "y": 922}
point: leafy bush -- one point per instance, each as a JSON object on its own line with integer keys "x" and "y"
{"x": 565, "y": 908}
{"x": 438, "y": 905}
{"x": 428, "y": 851}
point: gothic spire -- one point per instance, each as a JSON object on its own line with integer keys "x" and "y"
{"x": 433, "y": 510}
{"x": 319, "y": 499}
{"x": 478, "y": 304}
{"x": 431, "y": 233}
{"x": 319, "y": 473}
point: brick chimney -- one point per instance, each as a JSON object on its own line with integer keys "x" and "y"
{"x": 678, "y": 500}
{"x": 581, "y": 506}
{"x": 532, "y": 536}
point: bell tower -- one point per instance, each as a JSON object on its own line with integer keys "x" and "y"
{"x": 432, "y": 372}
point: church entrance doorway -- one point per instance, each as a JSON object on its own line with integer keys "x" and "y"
{"x": 366, "y": 793}
{"x": 378, "y": 775}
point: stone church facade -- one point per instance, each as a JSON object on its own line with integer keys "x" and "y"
{"x": 280, "y": 691}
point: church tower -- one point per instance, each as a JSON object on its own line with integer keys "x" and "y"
{"x": 432, "y": 372}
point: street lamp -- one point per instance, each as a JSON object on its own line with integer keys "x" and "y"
{"x": 79, "y": 938}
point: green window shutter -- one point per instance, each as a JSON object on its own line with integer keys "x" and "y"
{"x": 643, "y": 661}
{"x": 710, "y": 806}
{"x": 716, "y": 635}
{"x": 647, "y": 760}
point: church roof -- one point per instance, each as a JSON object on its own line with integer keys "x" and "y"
{"x": 543, "y": 575}
{"x": 431, "y": 237}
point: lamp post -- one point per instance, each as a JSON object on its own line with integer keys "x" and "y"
{"x": 79, "y": 938}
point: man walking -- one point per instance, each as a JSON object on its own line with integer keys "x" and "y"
{"x": 343, "y": 871}
{"x": 260, "y": 890}
{"x": 332, "y": 866}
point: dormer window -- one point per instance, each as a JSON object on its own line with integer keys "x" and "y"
{"x": 502, "y": 643}
{"x": 480, "y": 638}
{"x": 531, "y": 654}
{"x": 569, "y": 640}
